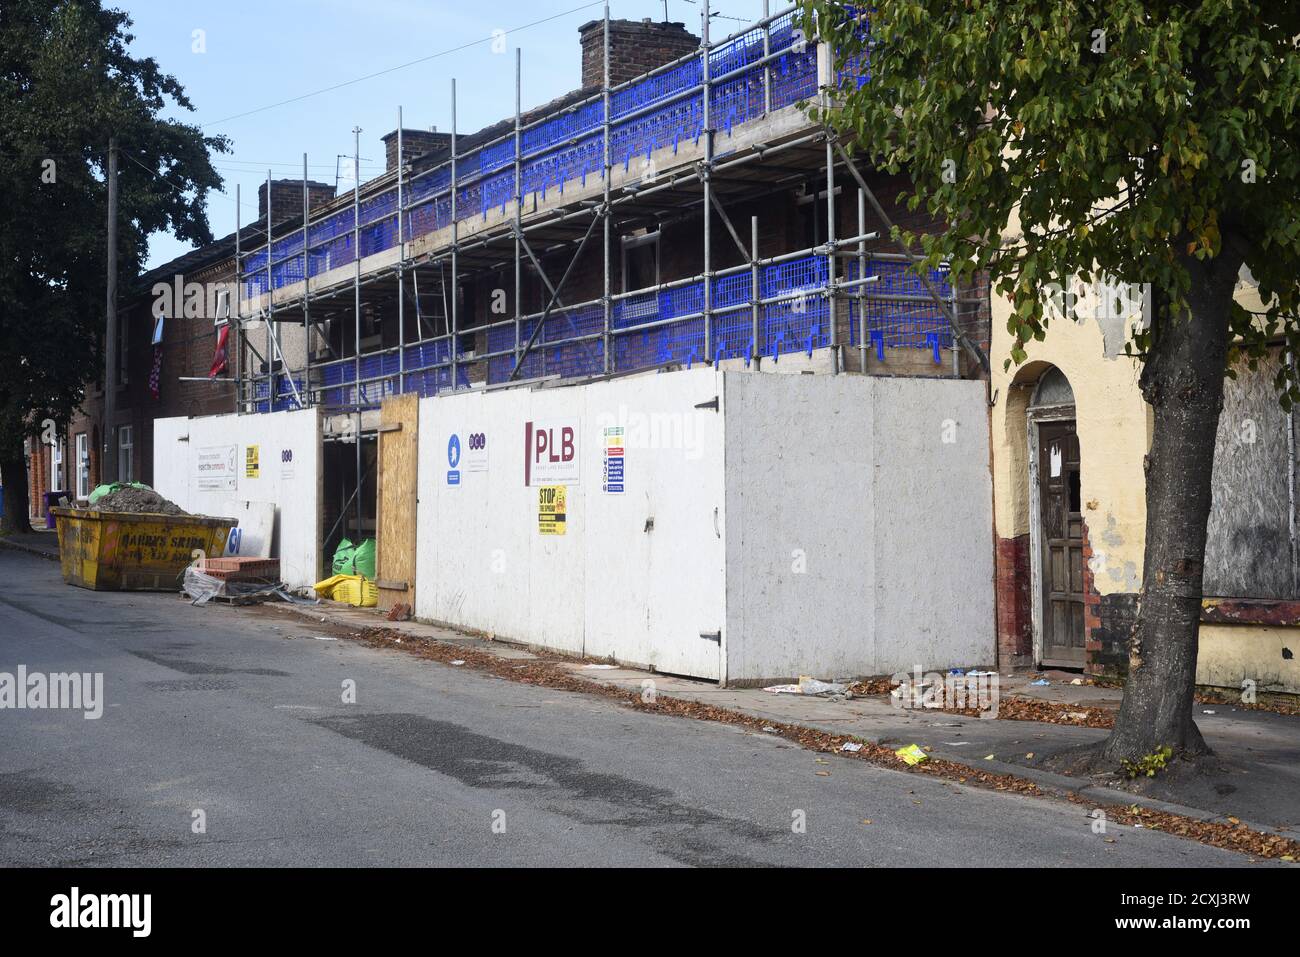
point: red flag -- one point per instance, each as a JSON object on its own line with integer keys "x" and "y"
{"x": 219, "y": 357}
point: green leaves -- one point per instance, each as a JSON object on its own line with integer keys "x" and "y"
{"x": 67, "y": 82}
{"x": 1112, "y": 136}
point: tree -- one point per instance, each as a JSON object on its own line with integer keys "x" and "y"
{"x": 1149, "y": 140}
{"x": 67, "y": 83}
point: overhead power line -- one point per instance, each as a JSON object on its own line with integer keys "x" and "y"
{"x": 402, "y": 66}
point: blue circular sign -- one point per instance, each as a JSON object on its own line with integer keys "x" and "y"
{"x": 453, "y": 450}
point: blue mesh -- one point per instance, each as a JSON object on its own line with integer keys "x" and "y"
{"x": 794, "y": 78}
{"x": 555, "y": 169}
{"x": 498, "y": 191}
{"x": 635, "y": 310}
{"x": 655, "y": 88}
{"x": 565, "y": 127}
{"x": 284, "y": 399}
{"x": 569, "y": 147}
{"x": 733, "y": 335}
{"x": 683, "y": 120}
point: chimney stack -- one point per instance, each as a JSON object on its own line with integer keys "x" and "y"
{"x": 286, "y": 198}
{"x": 635, "y": 47}
{"x": 414, "y": 143}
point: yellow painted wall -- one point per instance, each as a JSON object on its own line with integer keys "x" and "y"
{"x": 1230, "y": 653}
{"x": 1114, "y": 427}
{"x": 1114, "y": 432}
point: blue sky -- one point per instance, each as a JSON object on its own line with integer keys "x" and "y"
{"x": 260, "y": 53}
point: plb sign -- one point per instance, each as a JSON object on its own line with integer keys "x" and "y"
{"x": 551, "y": 452}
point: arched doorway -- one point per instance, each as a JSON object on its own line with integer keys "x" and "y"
{"x": 1056, "y": 524}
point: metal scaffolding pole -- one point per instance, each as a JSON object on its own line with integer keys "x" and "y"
{"x": 455, "y": 242}
{"x": 753, "y": 291}
{"x": 269, "y": 313}
{"x": 862, "y": 289}
{"x": 831, "y": 311}
{"x": 306, "y": 286}
{"x": 356, "y": 304}
{"x": 767, "y": 52}
{"x": 401, "y": 259}
{"x": 707, "y": 177}
{"x": 607, "y": 305}
{"x": 519, "y": 197}
{"x": 239, "y": 312}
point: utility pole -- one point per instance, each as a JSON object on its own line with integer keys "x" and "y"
{"x": 108, "y": 456}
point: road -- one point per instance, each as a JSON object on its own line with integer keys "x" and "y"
{"x": 212, "y": 710}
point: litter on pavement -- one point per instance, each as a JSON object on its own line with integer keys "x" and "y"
{"x": 912, "y": 755}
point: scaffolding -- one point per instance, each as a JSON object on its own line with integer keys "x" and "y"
{"x": 709, "y": 131}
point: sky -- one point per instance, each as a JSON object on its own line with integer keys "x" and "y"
{"x": 250, "y": 57}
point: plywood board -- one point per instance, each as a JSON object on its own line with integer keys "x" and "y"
{"x": 395, "y": 543}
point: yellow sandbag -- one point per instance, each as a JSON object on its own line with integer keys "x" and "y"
{"x": 353, "y": 589}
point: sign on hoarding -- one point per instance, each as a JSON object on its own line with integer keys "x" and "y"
{"x": 551, "y": 452}
{"x": 216, "y": 468}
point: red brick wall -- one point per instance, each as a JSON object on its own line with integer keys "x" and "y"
{"x": 1014, "y": 601}
{"x": 635, "y": 48}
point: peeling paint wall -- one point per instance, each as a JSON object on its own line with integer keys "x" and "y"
{"x": 1249, "y": 552}
{"x": 1232, "y": 653}
{"x": 1248, "y": 549}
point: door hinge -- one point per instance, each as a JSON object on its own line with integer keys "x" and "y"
{"x": 713, "y": 636}
{"x": 711, "y": 404}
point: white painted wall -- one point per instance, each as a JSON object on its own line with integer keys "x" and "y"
{"x": 850, "y": 479}
{"x": 293, "y": 488}
{"x": 608, "y": 586}
{"x": 894, "y": 524}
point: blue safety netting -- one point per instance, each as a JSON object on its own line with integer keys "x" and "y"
{"x": 565, "y": 148}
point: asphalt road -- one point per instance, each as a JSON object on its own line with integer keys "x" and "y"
{"x": 213, "y": 710}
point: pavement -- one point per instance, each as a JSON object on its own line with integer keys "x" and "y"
{"x": 227, "y": 737}
{"x": 44, "y": 543}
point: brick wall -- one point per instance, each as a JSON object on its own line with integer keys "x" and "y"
{"x": 414, "y": 143}
{"x": 286, "y": 198}
{"x": 1107, "y": 621}
{"x": 635, "y": 48}
{"x": 1014, "y": 602}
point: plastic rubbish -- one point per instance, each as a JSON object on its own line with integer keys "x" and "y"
{"x": 809, "y": 685}
{"x": 1040, "y": 682}
{"x": 344, "y": 558}
{"x": 912, "y": 755}
{"x": 851, "y": 746}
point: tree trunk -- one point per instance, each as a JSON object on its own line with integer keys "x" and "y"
{"x": 13, "y": 474}
{"x": 1183, "y": 381}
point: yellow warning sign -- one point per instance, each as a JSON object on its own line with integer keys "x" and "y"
{"x": 251, "y": 467}
{"x": 550, "y": 509}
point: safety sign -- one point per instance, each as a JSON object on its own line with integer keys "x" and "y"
{"x": 453, "y": 459}
{"x": 614, "y": 458}
{"x": 551, "y": 509}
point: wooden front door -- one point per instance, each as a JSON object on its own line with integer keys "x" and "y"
{"x": 1062, "y": 545}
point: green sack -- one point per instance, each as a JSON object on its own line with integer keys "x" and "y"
{"x": 101, "y": 490}
{"x": 343, "y": 558}
{"x": 364, "y": 559}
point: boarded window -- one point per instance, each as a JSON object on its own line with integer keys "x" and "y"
{"x": 1249, "y": 551}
